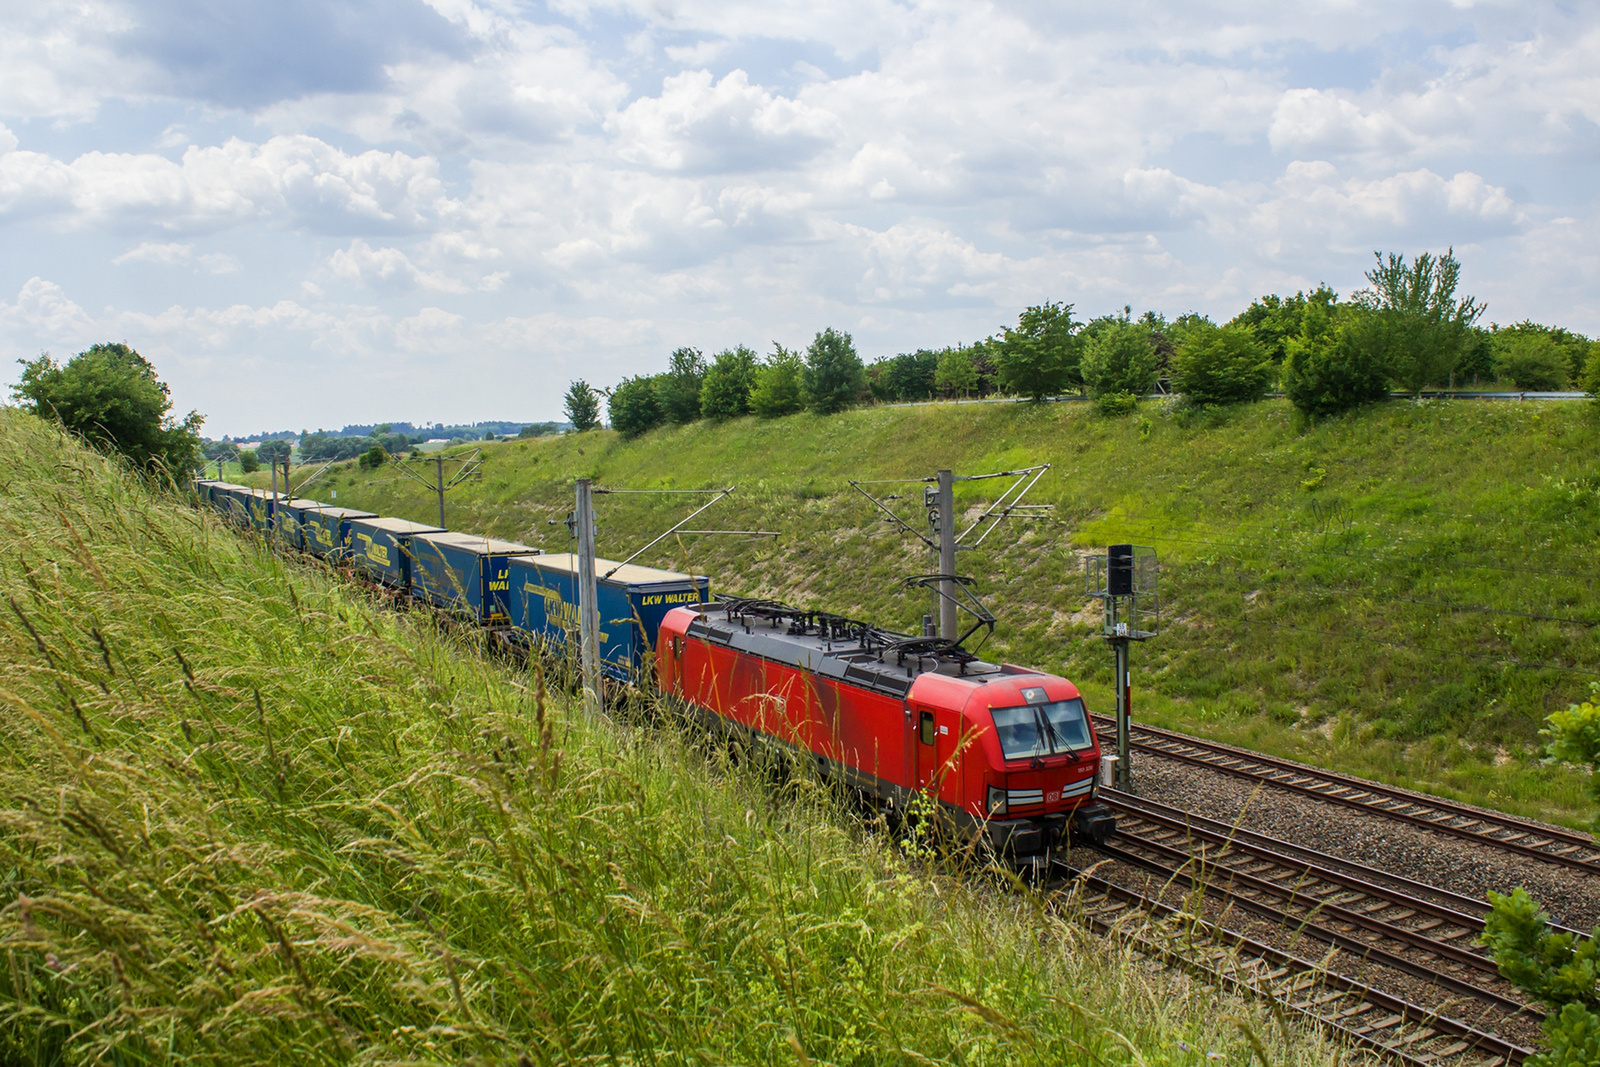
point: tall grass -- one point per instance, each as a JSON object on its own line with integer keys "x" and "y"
{"x": 1394, "y": 593}
{"x": 247, "y": 817}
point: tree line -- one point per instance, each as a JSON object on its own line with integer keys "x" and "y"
{"x": 1407, "y": 329}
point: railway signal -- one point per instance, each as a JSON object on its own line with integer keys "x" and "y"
{"x": 1124, "y": 580}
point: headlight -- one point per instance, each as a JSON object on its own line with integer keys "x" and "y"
{"x": 997, "y": 800}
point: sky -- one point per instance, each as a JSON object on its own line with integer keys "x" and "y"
{"x": 317, "y": 212}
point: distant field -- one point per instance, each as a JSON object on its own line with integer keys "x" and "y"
{"x": 1405, "y": 592}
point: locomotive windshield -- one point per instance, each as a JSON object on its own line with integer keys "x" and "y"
{"x": 1042, "y": 729}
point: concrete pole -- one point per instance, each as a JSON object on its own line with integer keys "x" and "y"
{"x": 588, "y": 608}
{"x": 438, "y": 481}
{"x": 272, "y": 508}
{"x": 948, "y": 623}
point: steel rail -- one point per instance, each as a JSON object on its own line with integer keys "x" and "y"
{"x": 1433, "y": 813}
{"x": 1332, "y": 879}
{"x": 1176, "y": 866}
{"x": 1311, "y": 991}
{"x": 1324, "y": 865}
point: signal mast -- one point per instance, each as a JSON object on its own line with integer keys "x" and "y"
{"x": 1124, "y": 580}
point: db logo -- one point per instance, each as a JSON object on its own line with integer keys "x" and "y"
{"x": 1052, "y": 797}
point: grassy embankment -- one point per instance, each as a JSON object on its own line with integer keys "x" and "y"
{"x": 1362, "y": 594}
{"x": 248, "y": 817}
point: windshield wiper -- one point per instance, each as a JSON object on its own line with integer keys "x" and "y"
{"x": 1048, "y": 730}
{"x": 1057, "y": 744}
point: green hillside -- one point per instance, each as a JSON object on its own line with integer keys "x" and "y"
{"x": 1405, "y": 592}
{"x": 248, "y": 817}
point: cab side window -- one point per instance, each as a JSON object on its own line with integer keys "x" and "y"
{"x": 927, "y": 727}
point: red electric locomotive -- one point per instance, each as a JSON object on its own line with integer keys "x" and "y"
{"x": 1008, "y": 752}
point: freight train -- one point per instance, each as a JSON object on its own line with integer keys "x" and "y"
{"x": 1005, "y": 754}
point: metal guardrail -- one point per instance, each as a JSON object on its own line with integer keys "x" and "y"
{"x": 1426, "y": 394}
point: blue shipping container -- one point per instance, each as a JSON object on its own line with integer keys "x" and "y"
{"x": 381, "y": 548}
{"x": 631, "y": 603}
{"x": 326, "y": 530}
{"x": 290, "y": 519}
{"x": 232, "y": 502}
{"x": 259, "y": 504}
{"x": 465, "y": 573}
{"x": 212, "y": 492}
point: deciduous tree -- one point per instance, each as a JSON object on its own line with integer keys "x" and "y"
{"x": 1040, "y": 357}
{"x": 1220, "y": 366}
{"x": 1333, "y": 365}
{"x": 1530, "y": 360}
{"x": 725, "y": 393}
{"x": 634, "y": 407}
{"x": 678, "y": 390}
{"x": 1420, "y": 329}
{"x": 834, "y": 376}
{"x": 110, "y": 396}
{"x": 957, "y": 373}
{"x": 1119, "y": 360}
{"x": 582, "y": 406}
{"x": 779, "y": 387}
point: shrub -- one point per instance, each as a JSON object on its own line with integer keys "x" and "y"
{"x": 110, "y": 396}
{"x": 373, "y": 458}
{"x": 1530, "y": 361}
{"x": 1119, "y": 358}
{"x": 1221, "y": 366}
{"x": 1334, "y": 365}
{"x": 778, "y": 388}
{"x": 248, "y": 463}
{"x": 582, "y": 406}
{"x": 725, "y": 393}
{"x": 633, "y": 406}
{"x": 834, "y": 376}
{"x": 1040, "y": 357}
{"x": 1116, "y": 404}
{"x": 1556, "y": 969}
{"x": 678, "y": 390}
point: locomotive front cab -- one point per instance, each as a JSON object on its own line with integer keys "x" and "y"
{"x": 1042, "y": 761}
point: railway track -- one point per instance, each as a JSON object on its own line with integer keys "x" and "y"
{"x": 1369, "y": 882}
{"x": 1504, "y": 832}
{"x": 1360, "y": 1014}
{"x": 1359, "y": 918}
